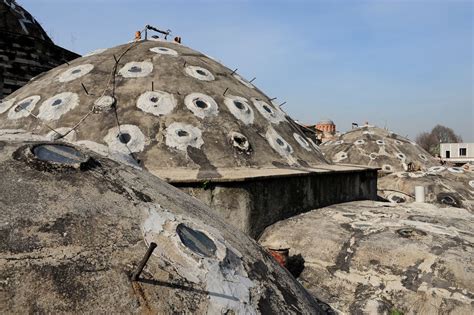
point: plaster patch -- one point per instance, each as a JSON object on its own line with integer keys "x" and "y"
{"x": 136, "y": 69}
{"x": 380, "y": 142}
{"x": 55, "y": 135}
{"x": 268, "y": 111}
{"x": 373, "y": 156}
{"x": 240, "y": 108}
{"x": 75, "y": 72}
{"x": 103, "y": 104}
{"x": 201, "y": 105}
{"x": 417, "y": 174}
{"x": 398, "y": 142}
{"x": 199, "y": 73}
{"x": 339, "y": 156}
{"x": 367, "y": 132}
{"x": 338, "y": 142}
{"x": 423, "y": 157}
{"x": 180, "y": 136}
{"x": 359, "y": 142}
{"x": 278, "y": 143}
{"x": 315, "y": 146}
{"x": 157, "y": 103}
{"x": 239, "y": 141}
{"x": 456, "y": 170}
{"x": 6, "y": 104}
{"x": 471, "y": 183}
{"x": 128, "y": 139}
{"x": 401, "y": 156}
{"x": 222, "y": 273}
{"x": 387, "y": 168}
{"x": 302, "y": 141}
{"x": 243, "y": 81}
{"x": 24, "y": 107}
{"x": 164, "y": 51}
{"x": 95, "y": 52}
{"x": 436, "y": 169}
{"x": 54, "y": 107}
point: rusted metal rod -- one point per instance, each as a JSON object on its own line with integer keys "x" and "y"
{"x": 142, "y": 264}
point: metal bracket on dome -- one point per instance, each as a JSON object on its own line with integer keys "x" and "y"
{"x": 149, "y": 27}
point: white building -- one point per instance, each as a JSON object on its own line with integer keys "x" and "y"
{"x": 457, "y": 152}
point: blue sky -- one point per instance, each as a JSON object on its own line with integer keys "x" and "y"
{"x": 406, "y": 65}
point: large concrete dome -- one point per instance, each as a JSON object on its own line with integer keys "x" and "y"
{"x": 177, "y": 112}
{"x": 74, "y": 228}
{"x": 373, "y": 146}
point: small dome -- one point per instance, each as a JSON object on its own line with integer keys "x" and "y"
{"x": 326, "y": 122}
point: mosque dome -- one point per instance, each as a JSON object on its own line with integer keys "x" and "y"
{"x": 373, "y": 146}
{"x": 176, "y": 112}
{"x": 75, "y": 227}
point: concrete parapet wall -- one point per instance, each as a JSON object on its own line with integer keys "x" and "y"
{"x": 252, "y": 205}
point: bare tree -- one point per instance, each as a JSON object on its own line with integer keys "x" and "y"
{"x": 439, "y": 134}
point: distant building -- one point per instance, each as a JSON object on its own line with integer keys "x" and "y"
{"x": 457, "y": 152}
{"x": 25, "y": 48}
{"x": 325, "y": 129}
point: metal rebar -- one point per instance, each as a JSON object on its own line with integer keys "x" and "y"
{"x": 272, "y": 99}
{"x": 252, "y": 79}
{"x": 142, "y": 264}
{"x": 282, "y": 104}
{"x": 234, "y": 71}
{"x": 84, "y": 88}
{"x": 225, "y": 91}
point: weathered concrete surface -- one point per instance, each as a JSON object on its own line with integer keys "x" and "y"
{"x": 25, "y": 48}
{"x": 375, "y": 258}
{"x": 170, "y": 115}
{"x": 72, "y": 234}
{"x": 252, "y": 205}
{"x": 453, "y": 186}
{"x": 373, "y": 146}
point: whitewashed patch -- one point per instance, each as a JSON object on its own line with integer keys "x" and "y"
{"x": 456, "y": 170}
{"x": 136, "y": 69}
{"x": 338, "y": 142}
{"x": 423, "y": 157}
{"x": 243, "y": 81}
{"x": 380, "y": 142}
{"x": 6, "y": 104}
{"x": 201, "y": 105}
{"x": 199, "y": 73}
{"x": 103, "y": 104}
{"x": 436, "y": 169}
{"x": 471, "y": 183}
{"x": 278, "y": 143}
{"x": 359, "y": 142}
{"x": 339, "y": 156}
{"x": 63, "y": 133}
{"x": 24, "y": 107}
{"x": 180, "y": 136}
{"x": 128, "y": 138}
{"x": 158, "y": 103}
{"x": 387, "y": 168}
{"x": 54, "y": 107}
{"x": 75, "y": 73}
{"x": 302, "y": 141}
{"x": 240, "y": 108}
{"x": 95, "y": 52}
{"x": 164, "y": 51}
{"x": 268, "y": 111}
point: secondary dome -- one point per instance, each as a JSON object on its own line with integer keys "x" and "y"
{"x": 370, "y": 257}
{"x": 75, "y": 227}
{"x": 173, "y": 109}
{"x": 372, "y": 146}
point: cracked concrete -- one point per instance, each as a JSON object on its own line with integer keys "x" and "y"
{"x": 373, "y": 257}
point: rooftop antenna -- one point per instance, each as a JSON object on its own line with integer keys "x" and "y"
{"x": 152, "y": 28}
